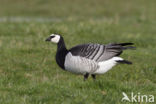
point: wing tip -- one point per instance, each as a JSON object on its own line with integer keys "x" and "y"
{"x": 124, "y": 44}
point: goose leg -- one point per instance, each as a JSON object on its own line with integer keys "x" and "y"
{"x": 86, "y": 76}
{"x": 94, "y": 76}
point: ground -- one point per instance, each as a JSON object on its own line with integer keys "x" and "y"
{"x": 28, "y": 70}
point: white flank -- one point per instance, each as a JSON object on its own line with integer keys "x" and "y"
{"x": 79, "y": 65}
{"x": 107, "y": 65}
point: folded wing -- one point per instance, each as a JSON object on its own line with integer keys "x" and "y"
{"x": 98, "y": 52}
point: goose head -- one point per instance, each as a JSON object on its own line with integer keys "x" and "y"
{"x": 54, "y": 38}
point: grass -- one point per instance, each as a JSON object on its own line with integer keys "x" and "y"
{"x": 28, "y": 70}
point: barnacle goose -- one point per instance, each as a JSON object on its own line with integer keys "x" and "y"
{"x": 88, "y": 59}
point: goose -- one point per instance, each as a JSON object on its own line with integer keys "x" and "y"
{"x": 88, "y": 59}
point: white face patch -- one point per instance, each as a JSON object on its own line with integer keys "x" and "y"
{"x": 55, "y": 39}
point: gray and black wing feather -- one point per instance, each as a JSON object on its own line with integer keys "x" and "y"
{"x": 98, "y": 52}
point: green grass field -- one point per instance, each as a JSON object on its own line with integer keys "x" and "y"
{"x": 28, "y": 70}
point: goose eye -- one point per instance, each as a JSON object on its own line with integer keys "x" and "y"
{"x": 52, "y": 37}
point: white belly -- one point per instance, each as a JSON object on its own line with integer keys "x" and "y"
{"x": 79, "y": 65}
{"x": 105, "y": 66}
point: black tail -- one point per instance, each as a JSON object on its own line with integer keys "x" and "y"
{"x": 124, "y": 62}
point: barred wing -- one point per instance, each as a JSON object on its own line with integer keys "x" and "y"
{"x": 98, "y": 52}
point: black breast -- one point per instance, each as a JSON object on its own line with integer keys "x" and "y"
{"x": 60, "y": 58}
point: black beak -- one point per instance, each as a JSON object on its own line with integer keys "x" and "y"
{"x": 48, "y": 39}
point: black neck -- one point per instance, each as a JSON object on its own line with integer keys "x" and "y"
{"x": 61, "y": 45}
{"x": 61, "y": 53}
